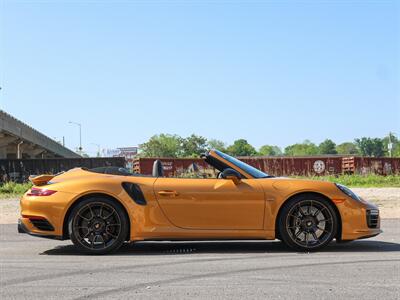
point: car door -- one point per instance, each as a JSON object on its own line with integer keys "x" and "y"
{"x": 211, "y": 203}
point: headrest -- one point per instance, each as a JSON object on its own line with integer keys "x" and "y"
{"x": 158, "y": 170}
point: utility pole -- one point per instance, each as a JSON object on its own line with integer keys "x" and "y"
{"x": 80, "y": 134}
{"x": 98, "y": 149}
{"x": 390, "y": 144}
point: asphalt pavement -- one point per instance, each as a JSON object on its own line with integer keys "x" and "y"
{"x": 35, "y": 268}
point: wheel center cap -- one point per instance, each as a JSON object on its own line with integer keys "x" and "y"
{"x": 98, "y": 225}
{"x": 308, "y": 223}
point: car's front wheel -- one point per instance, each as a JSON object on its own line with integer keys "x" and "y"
{"x": 98, "y": 225}
{"x": 307, "y": 222}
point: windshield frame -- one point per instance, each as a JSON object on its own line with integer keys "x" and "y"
{"x": 246, "y": 168}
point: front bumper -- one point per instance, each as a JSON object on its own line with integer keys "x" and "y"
{"x": 363, "y": 222}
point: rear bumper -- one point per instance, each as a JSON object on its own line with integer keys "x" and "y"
{"x": 22, "y": 228}
{"x": 44, "y": 216}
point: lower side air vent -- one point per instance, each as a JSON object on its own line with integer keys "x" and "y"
{"x": 42, "y": 224}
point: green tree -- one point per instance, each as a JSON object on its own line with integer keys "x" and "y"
{"x": 162, "y": 145}
{"x": 241, "y": 148}
{"x": 396, "y": 151}
{"x": 378, "y": 149}
{"x": 194, "y": 145}
{"x": 305, "y": 148}
{"x": 347, "y": 148}
{"x": 365, "y": 146}
{"x": 370, "y": 146}
{"x": 269, "y": 150}
{"x": 217, "y": 144}
{"x": 327, "y": 147}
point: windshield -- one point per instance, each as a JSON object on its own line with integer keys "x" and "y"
{"x": 256, "y": 173}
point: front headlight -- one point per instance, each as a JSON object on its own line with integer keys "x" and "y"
{"x": 347, "y": 191}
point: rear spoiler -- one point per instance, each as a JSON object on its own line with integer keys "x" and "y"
{"x": 41, "y": 179}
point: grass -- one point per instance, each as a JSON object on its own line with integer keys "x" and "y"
{"x": 12, "y": 189}
{"x": 362, "y": 180}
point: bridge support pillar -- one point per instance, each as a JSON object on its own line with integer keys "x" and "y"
{"x": 33, "y": 153}
{"x": 3, "y": 152}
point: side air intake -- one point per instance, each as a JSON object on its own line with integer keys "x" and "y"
{"x": 135, "y": 192}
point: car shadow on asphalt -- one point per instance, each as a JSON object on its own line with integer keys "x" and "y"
{"x": 198, "y": 247}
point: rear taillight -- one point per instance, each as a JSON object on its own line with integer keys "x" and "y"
{"x": 40, "y": 192}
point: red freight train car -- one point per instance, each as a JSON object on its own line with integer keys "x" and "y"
{"x": 297, "y": 166}
{"x": 368, "y": 165}
{"x": 280, "y": 166}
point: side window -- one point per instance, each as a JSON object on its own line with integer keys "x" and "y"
{"x": 199, "y": 174}
{"x": 196, "y": 171}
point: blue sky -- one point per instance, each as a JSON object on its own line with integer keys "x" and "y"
{"x": 273, "y": 72}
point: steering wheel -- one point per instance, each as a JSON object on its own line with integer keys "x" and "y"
{"x": 219, "y": 176}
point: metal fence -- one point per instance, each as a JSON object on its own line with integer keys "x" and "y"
{"x": 20, "y": 169}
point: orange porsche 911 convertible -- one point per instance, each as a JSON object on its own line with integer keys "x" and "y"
{"x": 100, "y": 209}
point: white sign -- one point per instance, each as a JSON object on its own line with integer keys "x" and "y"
{"x": 319, "y": 166}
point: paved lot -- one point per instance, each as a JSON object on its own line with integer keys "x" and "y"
{"x": 33, "y": 268}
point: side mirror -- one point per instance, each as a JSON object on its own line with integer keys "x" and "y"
{"x": 231, "y": 174}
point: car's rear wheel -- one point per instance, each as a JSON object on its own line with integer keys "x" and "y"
{"x": 307, "y": 222}
{"x": 98, "y": 225}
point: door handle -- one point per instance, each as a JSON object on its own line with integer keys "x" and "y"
{"x": 168, "y": 193}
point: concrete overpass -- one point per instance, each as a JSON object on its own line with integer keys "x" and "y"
{"x": 18, "y": 140}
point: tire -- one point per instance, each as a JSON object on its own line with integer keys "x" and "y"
{"x": 307, "y": 222}
{"x": 98, "y": 225}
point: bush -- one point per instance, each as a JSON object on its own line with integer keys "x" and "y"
{"x": 13, "y": 188}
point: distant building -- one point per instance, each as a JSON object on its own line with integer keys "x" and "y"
{"x": 129, "y": 153}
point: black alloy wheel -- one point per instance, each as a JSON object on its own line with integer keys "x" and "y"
{"x": 307, "y": 223}
{"x": 98, "y": 225}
